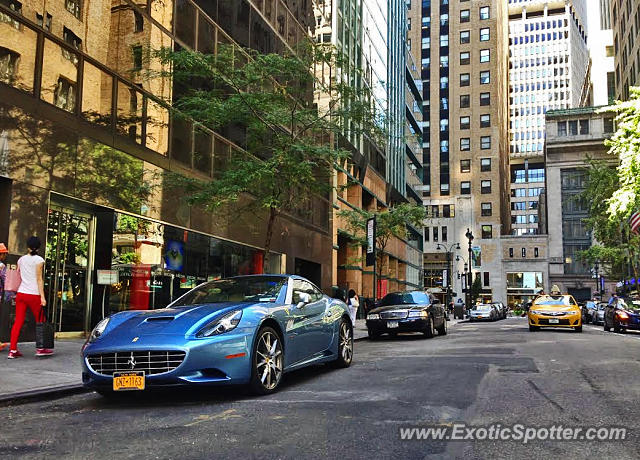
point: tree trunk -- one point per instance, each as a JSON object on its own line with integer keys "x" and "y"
{"x": 273, "y": 213}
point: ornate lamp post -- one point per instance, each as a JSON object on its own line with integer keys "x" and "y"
{"x": 469, "y": 236}
{"x": 449, "y": 253}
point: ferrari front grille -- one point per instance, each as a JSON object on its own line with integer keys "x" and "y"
{"x": 152, "y": 362}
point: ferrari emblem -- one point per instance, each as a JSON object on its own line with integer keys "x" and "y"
{"x": 135, "y": 339}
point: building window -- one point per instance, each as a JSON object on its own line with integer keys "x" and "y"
{"x": 435, "y": 234}
{"x": 487, "y": 232}
{"x": 8, "y": 65}
{"x": 465, "y": 122}
{"x": 137, "y": 57}
{"x": 519, "y": 206}
{"x": 444, "y": 234}
{"x": 465, "y": 101}
{"x": 465, "y": 15}
{"x": 524, "y": 252}
{"x": 584, "y": 126}
{"x": 536, "y": 175}
{"x": 448, "y": 210}
{"x": 465, "y": 166}
{"x": 573, "y": 127}
{"x": 465, "y": 37}
{"x": 65, "y": 95}
{"x": 510, "y": 252}
{"x": 465, "y": 144}
{"x": 465, "y": 188}
{"x": 464, "y": 79}
{"x": 426, "y": 233}
{"x": 562, "y": 128}
{"x": 486, "y": 209}
{"x": 485, "y": 120}
{"x": 485, "y": 34}
{"x": 138, "y": 22}
{"x": 484, "y": 56}
{"x": 444, "y": 40}
{"x": 485, "y": 77}
{"x": 485, "y": 164}
{"x": 465, "y": 58}
{"x": 444, "y": 61}
{"x": 536, "y": 253}
{"x": 485, "y": 279}
{"x": 73, "y": 7}
{"x": 444, "y": 189}
{"x": 485, "y": 98}
{"x": 518, "y": 192}
{"x": 608, "y": 125}
{"x": 484, "y": 13}
{"x": 485, "y": 142}
{"x": 485, "y": 187}
{"x": 15, "y": 6}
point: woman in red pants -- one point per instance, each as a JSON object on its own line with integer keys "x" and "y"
{"x": 30, "y": 294}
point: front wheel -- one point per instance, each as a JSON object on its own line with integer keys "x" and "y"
{"x": 605, "y": 326}
{"x": 442, "y": 330}
{"x": 429, "y": 331}
{"x": 267, "y": 362}
{"x": 345, "y": 345}
{"x": 578, "y": 328}
{"x": 532, "y": 328}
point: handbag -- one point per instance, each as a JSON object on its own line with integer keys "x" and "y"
{"x": 12, "y": 280}
{"x": 44, "y": 332}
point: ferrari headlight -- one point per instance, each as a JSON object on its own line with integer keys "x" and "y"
{"x": 98, "y": 330}
{"x": 373, "y": 316}
{"x": 418, "y": 314}
{"x": 221, "y": 325}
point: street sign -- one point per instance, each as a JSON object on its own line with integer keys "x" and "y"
{"x": 371, "y": 241}
{"x": 476, "y": 256}
{"x": 108, "y": 277}
{"x": 445, "y": 278}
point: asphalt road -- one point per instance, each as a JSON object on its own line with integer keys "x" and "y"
{"x": 478, "y": 374}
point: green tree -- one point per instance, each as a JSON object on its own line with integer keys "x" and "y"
{"x": 288, "y": 157}
{"x": 390, "y": 222}
{"x": 476, "y": 289}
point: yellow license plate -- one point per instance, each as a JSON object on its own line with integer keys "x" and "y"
{"x": 123, "y": 381}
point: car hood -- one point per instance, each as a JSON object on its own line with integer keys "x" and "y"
{"x": 173, "y": 320}
{"x": 399, "y": 307}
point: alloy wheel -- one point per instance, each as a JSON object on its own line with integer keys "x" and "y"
{"x": 269, "y": 360}
{"x": 346, "y": 343}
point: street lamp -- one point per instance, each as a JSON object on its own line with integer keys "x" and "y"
{"x": 449, "y": 252}
{"x": 469, "y": 236}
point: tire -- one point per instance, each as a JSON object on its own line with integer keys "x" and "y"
{"x": 429, "y": 331}
{"x": 345, "y": 345}
{"x": 532, "y": 328}
{"x": 578, "y": 328}
{"x": 373, "y": 335}
{"x": 605, "y": 326}
{"x": 616, "y": 328}
{"x": 443, "y": 329}
{"x": 267, "y": 349}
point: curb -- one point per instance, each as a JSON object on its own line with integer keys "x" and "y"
{"x": 58, "y": 392}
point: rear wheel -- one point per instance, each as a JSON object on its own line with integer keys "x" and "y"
{"x": 617, "y": 328}
{"x": 429, "y": 331}
{"x": 442, "y": 330}
{"x": 267, "y": 362}
{"x": 345, "y": 345}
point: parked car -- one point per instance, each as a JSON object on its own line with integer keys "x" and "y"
{"x": 555, "y": 311}
{"x": 597, "y": 317}
{"x": 622, "y": 316}
{"x": 244, "y": 330}
{"x": 410, "y": 311}
{"x": 502, "y": 309}
{"x": 588, "y": 311}
{"x": 484, "y": 312}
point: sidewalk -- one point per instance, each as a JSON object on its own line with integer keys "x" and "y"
{"x": 28, "y": 375}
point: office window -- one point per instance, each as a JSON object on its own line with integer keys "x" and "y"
{"x": 608, "y": 125}
{"x": 444, "y": 189}
{"x": 485, "y": 186}
{"x": 536, "y": 253}
{"x": 446, "y": 210}
{"x": 584, "y": 126}
{"x": 485, "y": 98}
{"x": 485, "y": 279}
{"x": 465, "y": 101}
{"x": 8, "y": 65}
{"x": 465, "y": 36}
{"x": 465, "y": 166}
{"x": 465, "y": 188}
{"x": 510, "y": 251}
{"x": 444, "y": 234}
{"x": 465, "y": 15}
{"x": 435, "y": 234}
{"x": 484, "y": 56}
{"x": 562, "y": 128}
{"x": 73, "y": 7}
{"x": 485, "y": 120}
{"x": 485, "y": 34}
{"x": 435, "y": 211}
{"x": 487, "y": 232}
{"x": 465, "y": 144}
{"x": 533, "y": 218}
{"x": 485, "y": 77}
{"x": 137, "y": 57}
{"x": 485, "y": 164}
{"x": 573, "y": 127}
{"x": 465, "y": 58}
{"x": 427, "y": 233}
{"x": 484, "y": 12}
{"x": 444, "y": 61}
{"x": 138, "y": 22}
{"x": 465, "y": 122}
{"x": 65, "y": 95}
{"x": 536, "y": 175}
{"x": 464, "y": 79}
{"x": 485, "y": 142}
{"x": 519, "y": 206}
{"x": 444, "y": 40}
{"x": 486, "y": 209}
{"x": 408, "y": 23}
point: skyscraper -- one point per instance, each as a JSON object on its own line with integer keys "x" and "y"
{"x": 625, "y": 21}
{"x": 548, "y": 69}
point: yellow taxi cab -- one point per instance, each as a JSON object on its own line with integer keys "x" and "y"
{"x": 555, "y": 310}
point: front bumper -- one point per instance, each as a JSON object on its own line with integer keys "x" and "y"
{"x": 480, "y": 318}
{"x": 223, "y": 359}
{"x": 404, "y": 325}
{"x": 549, "y": 320}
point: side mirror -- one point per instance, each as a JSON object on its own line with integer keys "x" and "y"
{"x": 303, "y": 299}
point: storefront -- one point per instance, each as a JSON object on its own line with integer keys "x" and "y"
{"x": 522, "y": 287}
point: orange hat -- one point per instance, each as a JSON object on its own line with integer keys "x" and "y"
{"x": 3, "y": 248}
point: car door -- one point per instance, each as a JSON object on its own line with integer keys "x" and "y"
{"x": 311, "y": 332}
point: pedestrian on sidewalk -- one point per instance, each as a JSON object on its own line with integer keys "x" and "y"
{"x": 30, "y": 294}
{"x": 3, "y": 275}
{"x": 353, "y": 302}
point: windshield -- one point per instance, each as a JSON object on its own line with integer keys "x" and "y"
{"x": 483, "y": 307}
{"x": 405, "y": 298}
{"x": 553, "y": 300}
{"x": 244, "y": 289}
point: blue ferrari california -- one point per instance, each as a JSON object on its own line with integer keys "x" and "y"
{"x": 242, "y": 330}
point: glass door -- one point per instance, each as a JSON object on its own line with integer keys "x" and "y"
{"x": 68, "y": 268}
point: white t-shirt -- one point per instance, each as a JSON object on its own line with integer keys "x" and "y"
{"x": 29, "y": 279}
